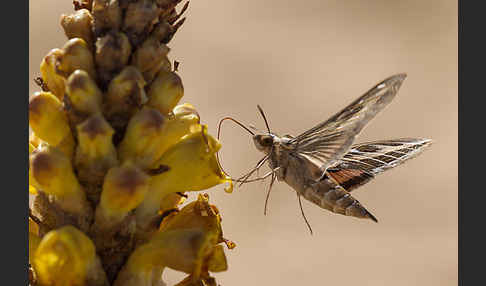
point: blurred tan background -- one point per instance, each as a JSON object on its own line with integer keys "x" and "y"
{"x": 303, "y": 61}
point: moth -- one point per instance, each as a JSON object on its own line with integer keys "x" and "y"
{"x": 323, "y": 166}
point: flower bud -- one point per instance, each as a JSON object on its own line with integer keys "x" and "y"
{"x": 76, "y": 55}
{"x": 48, "y": 69}
{"x": 34, "y": 241}
{"x": 32, "y": 184}
{"x": 84, "y": 95}
{"x": 78, "y": 25}
{"x": 95, "y": 153}
{"x": 33, "y": 227}
{"x": 150, "y": 57}
{"x": 32, "y": 189}
{"x": 113, "y": 51}
{"x": 125, "y": 94}
{"x": 107, "y": 15}
{"x": 165, "y": 91}
{"x": 66, "y": 256}
{"x": 49, "y": 122}
{"x": 53, "y": 172}
{"x": 139, "y": 18}
{"x": 124, "y": 189}
{"x": 142, "y": 138}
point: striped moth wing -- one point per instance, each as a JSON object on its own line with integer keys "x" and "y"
{"x": 363, "y": 161}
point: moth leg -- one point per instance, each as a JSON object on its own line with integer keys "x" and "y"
{"x": 268, "y": 192}
{"x": 303, "y": 214}
{"x": 260, "y": 163}
{"x": 261, "y": 178}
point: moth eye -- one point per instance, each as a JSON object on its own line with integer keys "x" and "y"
{"x": 267, "y": 141}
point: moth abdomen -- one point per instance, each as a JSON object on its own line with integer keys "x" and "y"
{"x": 336, "y": 199}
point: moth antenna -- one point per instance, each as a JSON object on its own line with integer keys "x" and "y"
{"x": 264, "y": 118}
{"x": 303, "y": 214}
{"x": 268, "y": 193}
{"x": 219, "y": 133}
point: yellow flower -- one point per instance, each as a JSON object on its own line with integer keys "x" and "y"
{"x": 64, "y": 257}
{"x": 49, "y": 122}
{"x": 188, "y": 241}
{"x": 34, "y": 238}
{"x": 192, "y": 167}
{"x": 150, "y": 134}
{"x": 32, "y": 189}
{"x": 123, "y": 190}
{"x": 165, "y": 91}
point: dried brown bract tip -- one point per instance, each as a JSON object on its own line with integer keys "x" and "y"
{"x": 139, "y": 19}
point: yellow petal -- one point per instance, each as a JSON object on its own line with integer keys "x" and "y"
{"x": 34, "y": 241}
{"x": 49, "y": 122}
{"x": 54, "y": 81}
{"x": 124, "y": 189}
{"x": 165, "y": 91}
{"x": 33, "y": 227}
{"x": 83, "y": 92}
{"x": 198, "y": 214}
{"x": 95, "y": 153}
{"x": 63, "y": 257}
{"x": 217, "y": 260}
{"x": 193, "y": 165}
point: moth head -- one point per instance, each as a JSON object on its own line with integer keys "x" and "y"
{"x": 263, "y": 142}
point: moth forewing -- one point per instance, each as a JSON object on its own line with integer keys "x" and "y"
{"x": 326, "y": 143}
